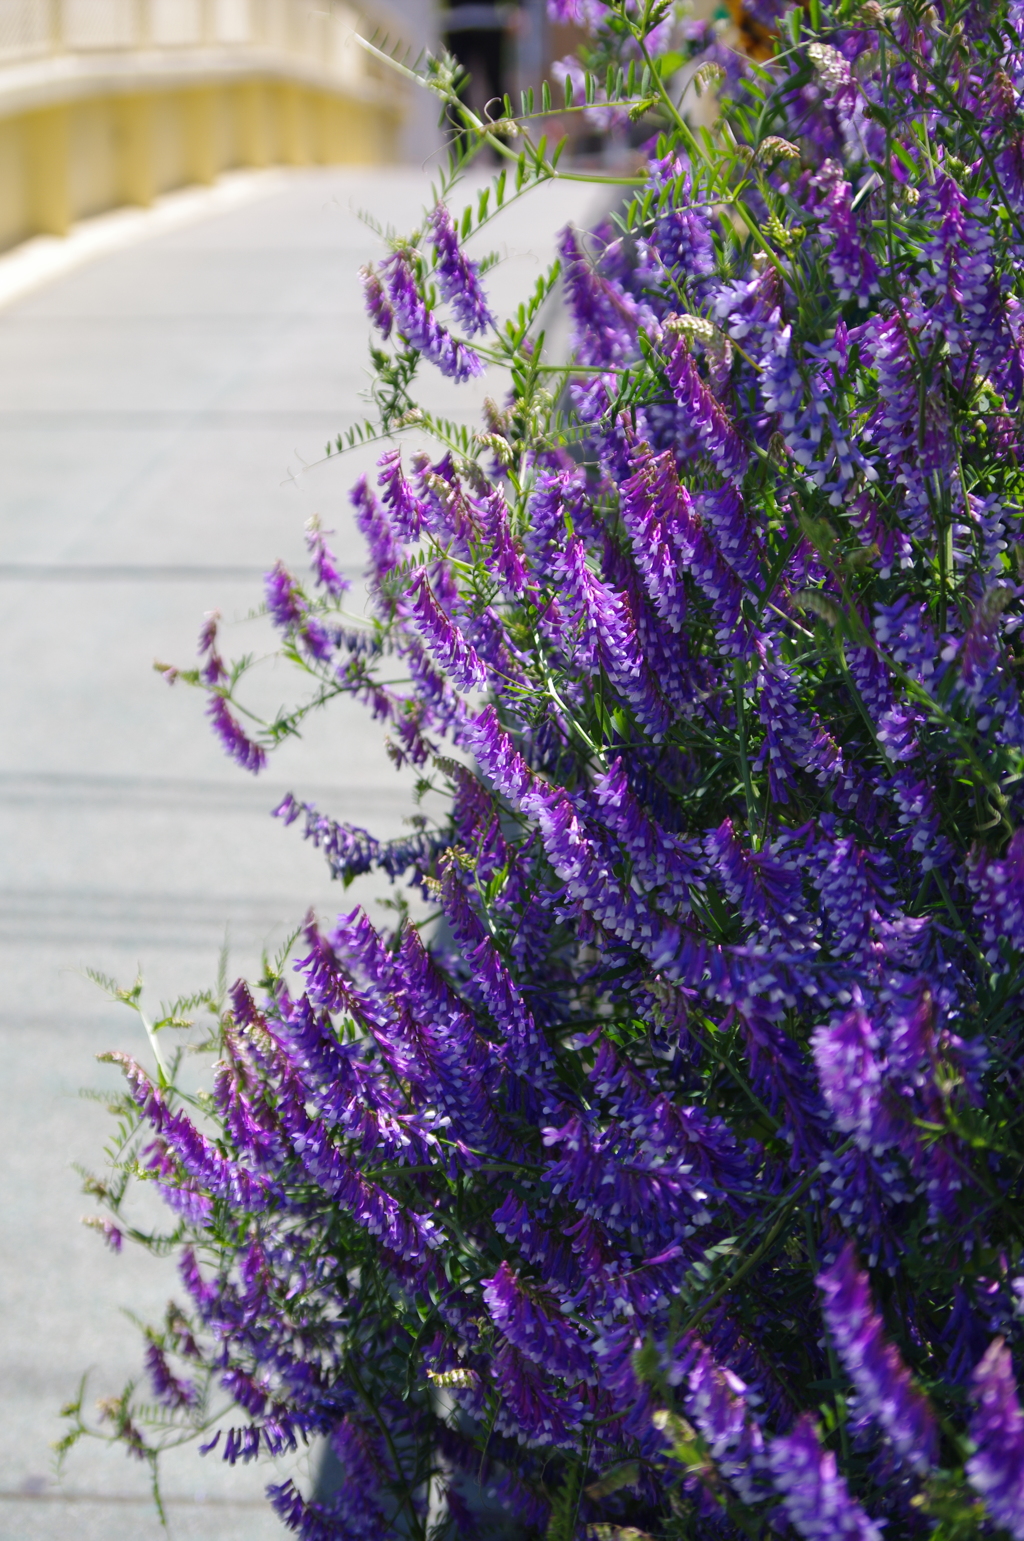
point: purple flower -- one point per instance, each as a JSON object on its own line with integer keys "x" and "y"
{"x": 399, "y": 1229}
{"x": 111, "y": 1233}
{"x": 375, "y": 525}
{"x": 658, "y": 860}
{"x": 606, "y": 318}
{"x": 722, "y": 513}
{"x": 961, "y": 251}
{"x": 288, "y": 609}
{"x": 457, "y": 277}
{"x": 501, "y": 763}
{"x": 527, "y": 1323}
{"x": 167, "y": 1387}
{"x": 765, "y": 886}
{"x": 705, "y": 415}
{"x": 325, "y": 565}
{"x": 795, "y": 739}
{"x": 814, "y": 1495}
{"x": 602, "y": 628}
{"x": 779, "y": 1075}
{"x": 187, "y": 1200}
{"x": 852, "y": 269}
{"x": 421, "y": 328}
{"x": 213, "y": 671}
{"x": 885, "y": 1393}
{"x": 351, "y": 850}
{"x": 746, "y": 306}
{"x": 456, "y": 656}
{"x": 914, "y": 443}
{"x": 354, "y": 1512}
{"x": 284, "y": 601}
{"x": 999, "y": 905}
{"x": 654, "y": 1182}
{"x": 445, "y": 508}
{"x": 682, "y": 233}
{"x": 658, "y": 511}
{"x": 378, "y": 306}
{"x": 996, "y": 1470}
{"x": 812, "y": 433}
{"x": 493, "y": 515}
{"x": 851, "y": 1073}
{"x": 578, "y": 13}
{"x": 250, "y": 756}
{"x": 716, "y": 1402}
{"x": 651, "y": 501}
{"x": 986, "y": 683}
{"x": 906, "y": 636}
{"x": 528, "y": 1410}
{"x": 180, "y": 1144}
{"x": 406, "y": 509}
{"x": 557, "y": 506}
{"x": 853, "y": 893}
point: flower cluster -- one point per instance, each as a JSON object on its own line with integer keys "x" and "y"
{"x": 659, "y": 1169}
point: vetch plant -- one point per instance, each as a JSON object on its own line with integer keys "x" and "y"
{"x": 672, "y": 1185}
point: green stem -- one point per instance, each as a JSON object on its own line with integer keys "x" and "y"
{"x": 419, "y": 1529}
{"x": 161, "y": 1063}
{"x": 788, "y": 1205}
{"x": 741, "y": 723}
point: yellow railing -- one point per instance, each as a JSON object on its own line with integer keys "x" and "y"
{"x": 105, "y": 102}
{"x": 314, "y": 35}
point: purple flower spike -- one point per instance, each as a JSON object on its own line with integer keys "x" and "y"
{"x": 325, "y": 564}
{"x": 706, "y": 415}
{"x": 577, "y": 13}
{"x": 648, "y": 501}
{"x": 606, "y": 319}
{"x": 249, "y": 756}
{"x": 166, "y": 1385}
{"x": 884, "y": 1390}
{"x": 549, "y": 1342}
{"x": 852, "y": 269}
{"x": 851, "y": 1073}
{"x": 996, "y": 1470}
{"x": 373, "y": 522}
{"x": 407, "y": 510}
{"x": 683, "y": 233}
{"x": 111, "y": 1233}
{"x": 420, "y": 326}
{"x": 999, "y": 886}
{"x": 288, "y": 609}
{"x": 458, "y": 277}
{"x": 528, "y": 1411}
{"x": 378, "y": 306}
{"x": 607, "y": 629}
{"x": 814, "y": 1495}
{"x": 717, "y": 1404}
{"x": 284, "y": 602}
{"x": 455, "y": 655}
{"x": 498, "y": 757}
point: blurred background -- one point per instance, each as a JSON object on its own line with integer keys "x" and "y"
{"x": 182, "y": 184}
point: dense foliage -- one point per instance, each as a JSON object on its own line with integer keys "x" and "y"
{"x": 673, "y": 1183}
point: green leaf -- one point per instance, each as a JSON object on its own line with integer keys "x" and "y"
{"x": 668, "y": 64}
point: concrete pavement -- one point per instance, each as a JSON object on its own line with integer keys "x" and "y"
{"x": 153, "y": 404}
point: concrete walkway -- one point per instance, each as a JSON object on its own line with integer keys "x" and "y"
{"x": 153, "y": 405}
